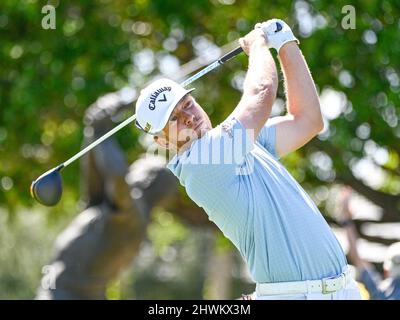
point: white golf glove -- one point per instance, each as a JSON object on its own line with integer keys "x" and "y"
{"x": 277, "y": 33}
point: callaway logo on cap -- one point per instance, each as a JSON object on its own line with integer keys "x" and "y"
{"x": 154, "y": 96}
{"x": 156, "y": 103}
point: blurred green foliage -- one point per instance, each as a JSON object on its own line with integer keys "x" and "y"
{"x": 26, "y": 244}
{"x": 49, "y": 77}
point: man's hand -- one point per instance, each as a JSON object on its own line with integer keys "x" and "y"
{"x": 254, "y": 36}
{"x": 276, "y": 33}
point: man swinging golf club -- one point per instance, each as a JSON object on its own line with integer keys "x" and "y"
{"x": 233, "y": 170}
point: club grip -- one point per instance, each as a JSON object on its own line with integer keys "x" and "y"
{"x": 230, "y": 55}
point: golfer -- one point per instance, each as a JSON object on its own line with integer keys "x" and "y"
{"x": 233, "y": 170}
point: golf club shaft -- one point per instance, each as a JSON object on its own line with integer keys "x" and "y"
{"x": 212, "y": 66}
{"x": 100, "y": 140}
{"x": 196, "y": 76}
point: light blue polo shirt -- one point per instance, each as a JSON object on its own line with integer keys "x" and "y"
{"x": 258, "y": 205}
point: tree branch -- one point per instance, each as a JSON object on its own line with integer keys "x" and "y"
{"x": 389, "y": 203}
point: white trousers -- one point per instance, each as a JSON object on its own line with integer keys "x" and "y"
{"x": 350, "y": 292}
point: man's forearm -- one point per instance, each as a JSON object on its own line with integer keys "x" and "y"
{"x": 260, "y": 84}
{"x": 351, "y": 234}
{"x": 262, "y": 70}
{"x": 302, "y": 98}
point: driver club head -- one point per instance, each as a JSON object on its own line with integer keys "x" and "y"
{"x": 47, "y": 189}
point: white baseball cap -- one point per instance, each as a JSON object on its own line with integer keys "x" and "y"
{"x": 156, "y": 103}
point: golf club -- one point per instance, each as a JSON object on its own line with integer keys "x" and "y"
{"x": 47, "y": 189}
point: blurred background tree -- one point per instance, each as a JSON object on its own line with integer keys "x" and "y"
{"x": 49, "y": 77}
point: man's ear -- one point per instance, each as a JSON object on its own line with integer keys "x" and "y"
{"x": 161, "y": 141}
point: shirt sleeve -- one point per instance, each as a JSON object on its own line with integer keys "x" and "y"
{"x": 267, "y": 138}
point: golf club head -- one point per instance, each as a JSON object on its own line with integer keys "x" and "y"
{"x": 47, "y": 189}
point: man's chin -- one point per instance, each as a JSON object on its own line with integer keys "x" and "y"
{"x": 197, "y": 134}
{"x": 189, "y": 140}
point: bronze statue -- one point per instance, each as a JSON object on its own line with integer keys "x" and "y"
{"x": 103, "y": 239}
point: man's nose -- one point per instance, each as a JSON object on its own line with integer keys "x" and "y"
{"x": 188, "y": 118}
